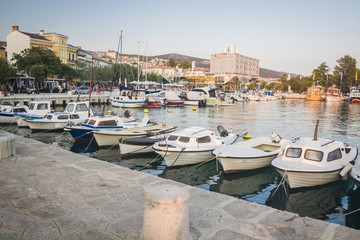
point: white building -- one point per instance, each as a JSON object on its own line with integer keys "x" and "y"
{"x": 232, "y": 63}
{"x": 168, "y": 73}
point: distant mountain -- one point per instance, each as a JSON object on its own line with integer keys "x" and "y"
{"x": 264, "y": 72}
{"x": 205, "y": 63}
{"x": 200, "y": 62}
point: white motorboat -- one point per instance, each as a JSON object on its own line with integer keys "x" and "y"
{"x": 333, "y": 94}
{"x": 75, "y": 112}
{"x": 8, "y": 113}
{"x": 355, "y": 172}
{"x": 193, "y": 98}
{"x": 37, "y": 110}
{"x": 84, "y": 131}
{"x": 308, "y": 162}
{"x": 111, "y": 137}
{"x": 192, "y": 145}
{"x": 128, "y": 99}
{"x": 250, "y": 154}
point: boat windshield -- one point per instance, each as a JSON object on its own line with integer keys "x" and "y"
{"x": 184, "y": 139}
{"x": 172, "y": 138}
{"x": 293, "y": 152}
{"x": 313, "y": 155}
{"x": 205, "y": 139}
{"x": 334, "y": 155}
{"x": 107, "y": 123}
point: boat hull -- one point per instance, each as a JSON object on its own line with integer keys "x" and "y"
{"x": 182, "y": 158}
{"x": 6, "y": 118}
{"x": 231, "y": 165}
{"x": 171, "y": 103}
{"x": 299, "y": 179}
{"x": 52, "y": 126}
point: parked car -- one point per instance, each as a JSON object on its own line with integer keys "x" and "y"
{"x": 80, "y": 90}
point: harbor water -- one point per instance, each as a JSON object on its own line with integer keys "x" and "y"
{"x": 288, "y": 118}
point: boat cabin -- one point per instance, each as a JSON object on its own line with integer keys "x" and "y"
{"x": 192, "y": 137}
{"x": 321, "y": 150}
{"x": 103, "y": 121}
{"x": 61, "y": 116}
{"x": 39, "y": 107}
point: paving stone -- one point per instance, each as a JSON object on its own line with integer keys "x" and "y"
{"x": 69, "y": 225}
{"x": 120, "y": 210}
{"x": 127, "y": 226}
{"x": 7, "y": 234}
{"x": 91, "y": 234}
{"x": 93, "y": 165}
{"x": 17, "y": 221}
{"x": 49, "y": 212}
{"x": 31, "y": 201}
{"x": 346, "y": 233}
{"x": 91, "y": 217}
{"x": 42, "y": 231}
{"x": 226, "y": 234}
{"x": 244, "y": 210}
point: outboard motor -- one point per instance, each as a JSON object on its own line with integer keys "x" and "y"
{"x": 127, "y": 113}
{"x": 276, "y": 137}
{"x": 222, "y": 131}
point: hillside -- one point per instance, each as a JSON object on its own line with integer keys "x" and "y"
{"x": 200, "y": 62}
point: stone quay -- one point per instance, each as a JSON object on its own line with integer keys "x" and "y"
{"x": 47, "y": 192}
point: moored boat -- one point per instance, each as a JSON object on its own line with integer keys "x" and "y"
{"x": 308, "y": 162}
{"x": 37, "y": 110}
{"x": 192, "y": 145}
{"x": 84, "y": 131}
{"x": 333, "y": 94}
{"x": 128, "y": 99}
{"x": 75, "y": 113}
{"x": 8, "y": 113}
{"x": 315, "y": 93}
{"x": 111, "y": 137}
{"x": 355, "y": 95}
{"x": 251, "y": 154}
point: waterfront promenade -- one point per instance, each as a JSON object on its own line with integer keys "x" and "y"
{"x": 47, "y": 192}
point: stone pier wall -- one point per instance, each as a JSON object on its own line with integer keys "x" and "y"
{"x": 47, "y": 192}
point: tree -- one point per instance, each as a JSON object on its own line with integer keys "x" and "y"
{"x": 154, "y": 77}
{"x": 171, "y": 63}
{"x": 6, "y": 71}
{"x": 185, "y": 64}
{"x": 235, "y": 83}
{"x": 345, "y": 72}
{"x": 321, "y": 74}
{"x": 37, "y": 60}
{"x": 67, "y": 72}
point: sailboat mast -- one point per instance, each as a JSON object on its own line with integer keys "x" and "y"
{"x": 120, "y": 55}
{"x": 146, "y": 60}
{"x": 138, "y": 66}
{"x": 90, "y": 89}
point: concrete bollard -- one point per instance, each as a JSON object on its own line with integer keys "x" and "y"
{"x": 166, "y": 215}
{"x": 7, "y": 145}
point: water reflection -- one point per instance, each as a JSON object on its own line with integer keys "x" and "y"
{"x": 316, "y": 202}
{"x": 244, "y": 183}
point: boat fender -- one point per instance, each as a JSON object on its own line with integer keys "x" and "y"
{"x": 346, "y": 169}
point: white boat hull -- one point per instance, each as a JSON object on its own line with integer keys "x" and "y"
{"x": 135, "y": 149}
{"x": 46, "y": 125}
{"x": 21, "y": 122}
{"x": 231, "y": 165}
{"x": 7, "y": 119}
{"x": 299, "y": 179}
{"x": 182, "y": 158}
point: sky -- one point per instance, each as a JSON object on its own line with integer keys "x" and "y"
{"x": 293, "y": 36}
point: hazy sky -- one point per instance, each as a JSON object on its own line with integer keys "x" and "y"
{"x": 285, "y": 35}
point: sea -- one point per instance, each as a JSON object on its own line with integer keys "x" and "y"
{"x": 290, "y": 119}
